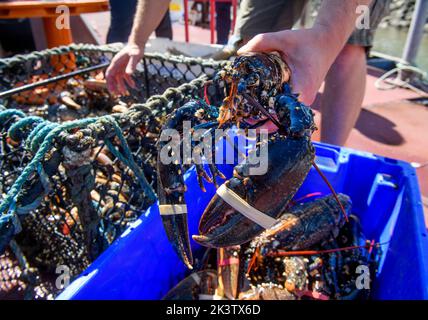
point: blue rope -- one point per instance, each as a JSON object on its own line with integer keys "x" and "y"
{"x": 33, "y": 133}
{"x": 37, "y": 140}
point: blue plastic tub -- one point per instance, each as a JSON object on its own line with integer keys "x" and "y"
{"x": 385, "y": 195}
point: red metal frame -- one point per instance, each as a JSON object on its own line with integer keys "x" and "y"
{"x": 212, "y": 16}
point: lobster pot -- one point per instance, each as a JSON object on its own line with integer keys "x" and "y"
{"x": 77, "y": 163}
{"x": 156, "y": 73}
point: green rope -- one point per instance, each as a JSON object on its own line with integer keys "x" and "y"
{"x": 128, "y": 159}
{"x": 7, "y": 114}
{"x": 16, "y": 131}
{"x": 44, "y": 147}
{"x": 40, "y": 142}
{"x": 41, "y": 133}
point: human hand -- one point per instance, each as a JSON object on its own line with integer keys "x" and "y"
{"x": 122, "y": 67}
{"x": 307, "y": 53}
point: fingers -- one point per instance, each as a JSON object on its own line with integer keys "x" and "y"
{"x": 295, "y": 50}
{"x": 130, "y": 69}
{"x": 120, "y": 84}
{"x": 305, "y": 89}
{"x": 129, "y": 80}
{"x": 263, "y": 42}
{"x": 132, "y": 64}
{"x": 113, "y": 74}
{"x": 110, "y": 78}
{"x": 119, "y": 73}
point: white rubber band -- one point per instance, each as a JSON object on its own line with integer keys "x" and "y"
{"x": 171, "y": 209}
{"x": 239, "y": 204}
{"x": 196, "y": 277}
{"x": 210, "y": 297}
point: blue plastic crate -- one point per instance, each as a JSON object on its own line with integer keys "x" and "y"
{"x": 385, "y": 195}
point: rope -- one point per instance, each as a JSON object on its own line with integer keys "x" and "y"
{"x": 40, "y": 141}
{"x": 128, "y": 159}
{"x": 383, "y": 83}
{"x": 15, "y": 131}
{"x": 5, "y": 115}
{"x": 47, "y": 136}
{"x": 40, "y": 134}
{"x": 108, "y": 48}
{"x": 41, "y": 137}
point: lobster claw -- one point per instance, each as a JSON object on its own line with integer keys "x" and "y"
{"x": 223, "y": 226}
{"x": 174, "y": 219}
{"x": 226, "y": 223}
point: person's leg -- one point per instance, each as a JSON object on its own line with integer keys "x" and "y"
{"x": 164, "y": 29}
{"x": 223, "y": 21}
{"x": 343, "y": 94}
{"x": 345, "y": 83}
{"x": 121, "y": 18}
{"x": 260, "y": 16}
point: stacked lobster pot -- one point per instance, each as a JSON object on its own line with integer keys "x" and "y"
{"x": 77, "y": 164}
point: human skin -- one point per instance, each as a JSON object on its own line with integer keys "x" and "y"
{"x": 147, "y": 17}
{"x": 343, "y": 95}
{"x": 319, "y": 54}
{"x": 309, "y": 53}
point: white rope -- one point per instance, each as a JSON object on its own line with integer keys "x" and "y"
{"x": 395, "y": 83}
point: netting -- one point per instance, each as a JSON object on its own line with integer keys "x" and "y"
{"x": 78, "y": 164}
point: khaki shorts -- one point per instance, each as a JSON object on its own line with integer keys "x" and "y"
{"x": 261, "y": 16}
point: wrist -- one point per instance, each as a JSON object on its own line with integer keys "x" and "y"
{"x": 134, "y": 42}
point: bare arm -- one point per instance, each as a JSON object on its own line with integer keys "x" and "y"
{"x": 311, "y": 52}
{"x": 336, "y": 21}
{"x": 147, "y": 17}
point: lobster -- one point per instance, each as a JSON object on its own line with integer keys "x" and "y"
{"x": 310, "y": 253}
{"x": 258, "y": 93}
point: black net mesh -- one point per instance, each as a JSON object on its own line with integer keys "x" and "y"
{"x": 82, "y": 194}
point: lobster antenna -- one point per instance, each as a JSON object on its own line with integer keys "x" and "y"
{"x": 207, "y": 83}
{"x": 331, "y": 189}
{"x": 369, "y": 246}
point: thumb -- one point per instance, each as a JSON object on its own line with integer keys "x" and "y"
{"x": 261, "y": 42}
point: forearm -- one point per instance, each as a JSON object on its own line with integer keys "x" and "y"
{"x": 336, "y": 20}
{"x": 148, "y": 16}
